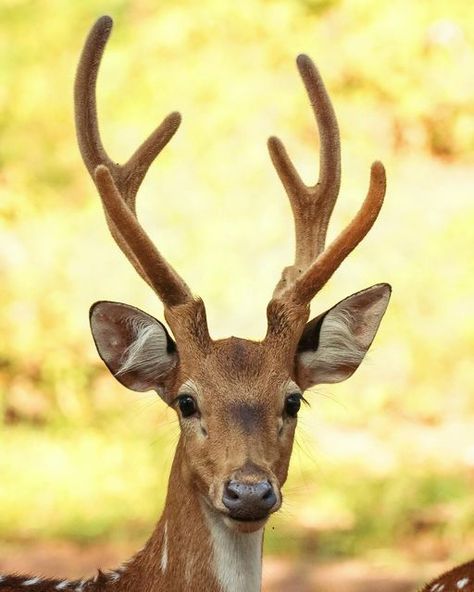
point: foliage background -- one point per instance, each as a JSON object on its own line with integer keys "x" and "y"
{"x": 384, "y": 465}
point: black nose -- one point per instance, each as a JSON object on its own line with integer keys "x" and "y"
{"x": 248, "y": 501}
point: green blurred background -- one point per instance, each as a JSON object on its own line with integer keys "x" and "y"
{"x": 383, "y": 466}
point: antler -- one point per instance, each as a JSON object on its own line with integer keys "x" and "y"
{"x": 312, "y": 206}
{"x": 118, "y": 184}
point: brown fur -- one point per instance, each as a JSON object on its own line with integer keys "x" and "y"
{"x": 459, "y": 579}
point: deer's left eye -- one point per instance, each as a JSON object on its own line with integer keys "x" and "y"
{"x": 187, "y": 405}
{"x": 293, "y": 404}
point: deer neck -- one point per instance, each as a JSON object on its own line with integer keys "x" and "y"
{"x": 192, "y": 549}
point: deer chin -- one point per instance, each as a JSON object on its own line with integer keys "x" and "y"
{"x": 244, "y": 526}
{"x": 215, "y": 514}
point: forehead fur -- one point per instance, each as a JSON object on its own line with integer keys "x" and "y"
{"x": 237, "y": 366}
{"x": 239, "y": 356}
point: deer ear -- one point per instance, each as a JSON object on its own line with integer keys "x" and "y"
{"x": 334, "y": 344}
{"x": 136, "y": 348}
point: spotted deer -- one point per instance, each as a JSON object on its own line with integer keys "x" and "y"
{"x": 237, "y": 400}
{"x": 459, "y": 579}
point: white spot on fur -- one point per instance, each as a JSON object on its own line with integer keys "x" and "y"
{"x": 189, "y": 569}
{"x": 31, "y": 582}
{"x": 80, "y": 587}
{"x": 114, "y": 576}
{"x": 437, "y": 588}
{"x": 164, "y": 551}
{"x": 2, "y": 578}
{"x": 62, "y": 585}
{"x": 462, "y": 583}
{"x": 237, "y": 556}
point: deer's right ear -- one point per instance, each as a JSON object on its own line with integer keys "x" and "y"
{"x": 135, "y": 347}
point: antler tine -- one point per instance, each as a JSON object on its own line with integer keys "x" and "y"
{"x": 161, "y": 276}
{"x": 87, "y": 128}
{"x": 319, "y": 272}
{"x": 122, "y": 181}
{"x": 129, "y": 176}
{"x": 312, "y": 206}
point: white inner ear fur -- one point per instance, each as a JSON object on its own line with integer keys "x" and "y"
{"x": 345, "y": 336}
{"x": 337, "y": 351}
{"x": 147, "y": 354}
{"x": 337, "y": 344}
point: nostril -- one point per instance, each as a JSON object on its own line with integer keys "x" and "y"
{"x": 231, "y": 493}
{"x": 267, "y": 495}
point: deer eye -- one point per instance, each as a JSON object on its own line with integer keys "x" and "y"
{"x": 293, "y": 404}
{"x": 187, "y": 405}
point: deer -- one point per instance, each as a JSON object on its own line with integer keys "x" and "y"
{"x": 461, "y": 578}
{"x": 236, "y": 400}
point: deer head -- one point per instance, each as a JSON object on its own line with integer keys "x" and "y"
{"x": 237, "y": 400}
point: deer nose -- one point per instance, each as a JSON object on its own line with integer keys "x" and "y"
{"x": 248, "y": 501}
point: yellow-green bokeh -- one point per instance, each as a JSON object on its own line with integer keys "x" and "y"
{"x": 377, "y": 454}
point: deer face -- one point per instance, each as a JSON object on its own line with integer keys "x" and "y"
{"x": 237, "y": 413}
{"x": 237, "y": 400}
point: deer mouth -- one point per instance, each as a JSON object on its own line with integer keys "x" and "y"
{"x": 244, "y": 526}
{"x": 248, "y": 515}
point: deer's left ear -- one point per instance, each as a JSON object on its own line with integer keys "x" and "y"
{"x": 334, "y": 344}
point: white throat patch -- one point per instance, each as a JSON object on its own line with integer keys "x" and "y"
{"x": 237, "y": 556}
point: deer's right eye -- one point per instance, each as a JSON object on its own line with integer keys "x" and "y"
{"x": 187, "y": 405}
